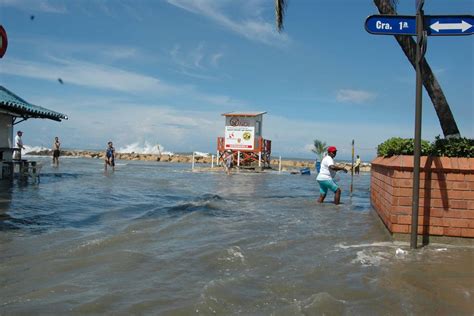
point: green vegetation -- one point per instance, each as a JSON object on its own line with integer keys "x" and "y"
{"x": 454, "y": 147}
{"x": 319, "y": 148}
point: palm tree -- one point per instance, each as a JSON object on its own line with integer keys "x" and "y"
{"x": 408, "y": 45}
{"x": 319, "y": 148}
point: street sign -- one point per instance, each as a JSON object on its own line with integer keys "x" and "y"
{"x": 435, "y": 25}
{"x": 3, "y": 41}
{"x": 391, "y": 24}
{"x": 446, "y": 25}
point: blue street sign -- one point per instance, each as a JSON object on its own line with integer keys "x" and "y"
{"x": 435, "y": 25}
{"x": 446, "y": 25}
{"x": 391, "y": 24}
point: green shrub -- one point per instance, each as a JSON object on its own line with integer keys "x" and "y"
{"x": 454, "y": 147}
{"x": 401, "y": 146}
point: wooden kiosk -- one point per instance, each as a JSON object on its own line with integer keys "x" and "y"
{"x": 14, "y": 110}
{"x": 243, "y": 138}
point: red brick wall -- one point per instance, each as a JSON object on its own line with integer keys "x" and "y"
{"x": 446, "y": 205}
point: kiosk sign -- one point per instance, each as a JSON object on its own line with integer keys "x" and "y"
{"x": 239, "y": 137}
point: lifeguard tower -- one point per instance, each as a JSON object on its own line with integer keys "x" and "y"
{"x": 14, "y": 110}
{"x": 243, "y": 137}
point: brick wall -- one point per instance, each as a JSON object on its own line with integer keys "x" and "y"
{"x": 446, "y": 205}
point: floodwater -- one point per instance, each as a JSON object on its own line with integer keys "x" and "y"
{"x": 156, "y": 238}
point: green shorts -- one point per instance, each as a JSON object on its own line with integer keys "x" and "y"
{"x": 324, "y": 185}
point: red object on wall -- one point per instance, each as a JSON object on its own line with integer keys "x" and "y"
{"x": 4, "y": 41}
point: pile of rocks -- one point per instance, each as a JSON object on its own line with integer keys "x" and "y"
{"x": 285, "y": 164}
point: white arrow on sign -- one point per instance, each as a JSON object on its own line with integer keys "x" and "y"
{"x": 463, "y": 26}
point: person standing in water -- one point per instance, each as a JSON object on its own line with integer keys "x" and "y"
{"x": 110, "y": 156}
{"x": 18, "y": 145}
{"x": 326, "y": 176}
{"x": 56, "y": 151}
{"x": 228, "y": 160}
{"x": 357, "y": 165}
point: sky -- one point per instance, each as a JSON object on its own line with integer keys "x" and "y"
{"x": 163, "y": 72}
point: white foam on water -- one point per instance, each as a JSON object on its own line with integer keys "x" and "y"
{"x": 144, "y": 148}
{"x": 394, "y": 244}
{"x": 400, "y": 252}
{"x": 201, "y": 154}
{"x": 234, "y": 253}
{"x": 368, "y": 258}
{"x": 29, "y": 149}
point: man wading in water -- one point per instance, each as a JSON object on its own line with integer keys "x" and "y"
{"x": 56, "y": 151}
{"x": 326, "y": 176}
{"x": 110, "y": 156}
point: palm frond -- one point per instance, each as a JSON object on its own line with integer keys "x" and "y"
{"x": 319, "y": 148}
{"x": 280, "y": 8}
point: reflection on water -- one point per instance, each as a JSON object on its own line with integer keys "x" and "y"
{"x": 159, "y": 239}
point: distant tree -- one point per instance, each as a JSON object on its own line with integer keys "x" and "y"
{"x": 319, "y": 148}
{"x": 408, "y": 45}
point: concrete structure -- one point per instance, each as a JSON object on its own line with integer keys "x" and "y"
{"x": 14, "y": 110}
{"x": 446, "y": 204}
{"x": 243, "y": 136}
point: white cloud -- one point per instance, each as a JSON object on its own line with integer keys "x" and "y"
{"x": 197, "y": 58}
{"x": 87, "y": 74}
{"x": 35, "y": 5}
{"x": 355, "y": 96}
{"x": 215, "y": 58}
{"x": 111, "y": 78}
{"x": 294, "y": 136}
{"x": 196, "y": 62}
{"x": 118, "y": 52}
{"x": 255, "y": 29}
{"x": 94, "y": 120}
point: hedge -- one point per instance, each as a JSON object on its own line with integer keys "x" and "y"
{"x": 453, "y": 147}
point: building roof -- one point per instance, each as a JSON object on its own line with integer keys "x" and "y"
{"x": 248, "y": 114}
{"x": 14, "y": 105}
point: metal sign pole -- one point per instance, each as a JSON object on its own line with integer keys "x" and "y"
{"x": 421, "y": 45}
{"x": 352, "y": 169}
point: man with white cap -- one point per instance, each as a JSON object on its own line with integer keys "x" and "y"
{"x": 18, "y": 145}
{"x": 326, "y": 176}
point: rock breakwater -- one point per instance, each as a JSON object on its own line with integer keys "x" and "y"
{"x": 286, "y": 164}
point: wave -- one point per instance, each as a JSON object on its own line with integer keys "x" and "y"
{"x": 29, "y": 149}
{"x": 144, "y": 148}
{"x": 201, "y": 154}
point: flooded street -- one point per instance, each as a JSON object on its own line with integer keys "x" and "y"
{"x": 155, "y": 238}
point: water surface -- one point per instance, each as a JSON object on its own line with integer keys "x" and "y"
{"x": 156, "y": 238}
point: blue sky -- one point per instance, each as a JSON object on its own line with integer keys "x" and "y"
{"x": 165, "y": 71}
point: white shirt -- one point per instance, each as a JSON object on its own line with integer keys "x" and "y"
{"x": 18, "y": 142}
{"x": 357, "y": 163}
{"x": 325, "y": 173}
